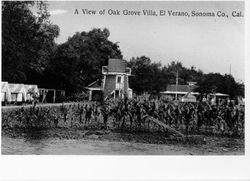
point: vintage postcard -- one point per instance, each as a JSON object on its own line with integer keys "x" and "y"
{"x": 123, "y": 78}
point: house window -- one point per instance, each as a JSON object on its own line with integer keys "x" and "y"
{"x": 119, "y": 78}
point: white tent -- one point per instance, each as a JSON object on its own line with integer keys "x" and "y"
{"x": 188, "y": 98}
{"x": 18, "y": 92}
{"x": 6, "y": 94}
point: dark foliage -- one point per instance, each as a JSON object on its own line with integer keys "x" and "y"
{"x": 30, "y": 55}
{"x": 78, "y": 62}
{"x": 152, "y": 78}
{"x": 27, "y": 41}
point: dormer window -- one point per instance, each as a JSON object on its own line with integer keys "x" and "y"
{"x": 119, "y": 79}
{"x": 128, "y": 71}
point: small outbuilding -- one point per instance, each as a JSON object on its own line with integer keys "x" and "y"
{"x": 216, "y": 98}
{"x": 177, "y": 92}
{"x": 95, "y": 90}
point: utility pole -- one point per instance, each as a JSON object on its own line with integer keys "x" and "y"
{"x": 176, "y": 84}
{"x": 230, "y": 70}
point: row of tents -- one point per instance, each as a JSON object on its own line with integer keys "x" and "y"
{"x": 18, "y": 93}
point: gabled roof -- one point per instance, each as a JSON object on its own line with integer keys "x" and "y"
{"x": 188, "y": 98}
{"x": 17, "y": 88}
{"x": 181, "y": 88}
{"x": 6, "y": 90}
{"x": 4, "y": 86}
{"x": 95, "y": 85}
{"x": 31, "y": 87}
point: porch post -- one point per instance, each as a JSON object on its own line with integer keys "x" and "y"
{"x": 90, "y": 95}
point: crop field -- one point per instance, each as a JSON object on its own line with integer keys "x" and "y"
{"x": 205, "y": 128}
{"x": 132, "y": 115}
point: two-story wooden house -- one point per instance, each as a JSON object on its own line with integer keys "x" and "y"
{"x": 115, "y": 82}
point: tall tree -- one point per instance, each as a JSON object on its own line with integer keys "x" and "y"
{"x": 27, "y": 40}
{"x": 152, "y": 78}
{"x": 146, "y": 75}
{"x": 78, "y": 62}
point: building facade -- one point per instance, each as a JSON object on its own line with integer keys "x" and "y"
{"x": 115, "y": 82}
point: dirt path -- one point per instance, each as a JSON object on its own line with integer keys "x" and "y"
{"x": 94, "y": 146}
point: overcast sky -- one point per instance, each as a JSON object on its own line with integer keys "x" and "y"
{"x": 208, "y": 43}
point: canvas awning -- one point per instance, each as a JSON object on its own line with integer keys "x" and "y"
{"x": 18, "y": 89}
{"x": 97, "y": 85}
{"x": 178, "y": 92}
{"x": 222, "y": 95}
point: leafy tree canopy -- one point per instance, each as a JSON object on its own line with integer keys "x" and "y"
{"x": 27, "y": 40}
{"x": 152, "y": 78}
{"x": 30, "y": 55}
{"x": 78, "y": 62}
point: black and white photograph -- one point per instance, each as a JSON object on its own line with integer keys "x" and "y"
{"x": 122, "y": 78}
{"x": 124, "y": 90}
